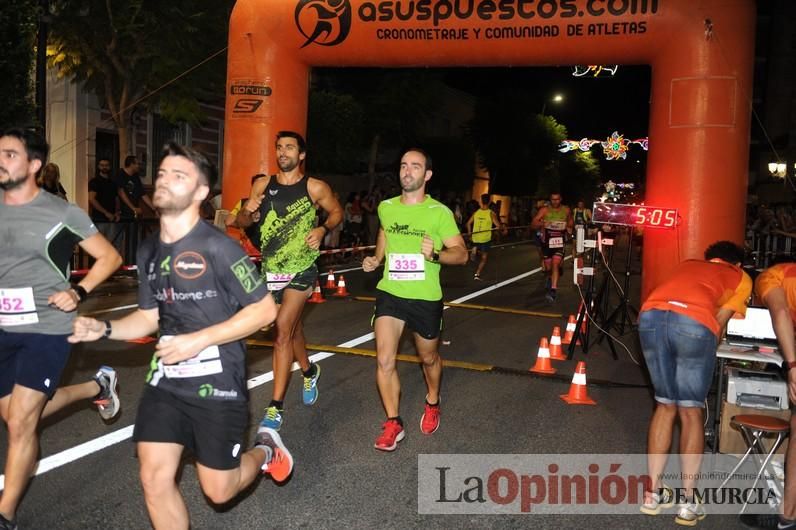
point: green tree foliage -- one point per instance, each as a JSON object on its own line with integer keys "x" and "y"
{"x": 517, "y": 146}
{"x": 18, "y": 20}
{"x": 125, "y": 51}
{"x": 335, "y": 133}
{"x": 579, "y": 174}
{"x": 397, "y": 104}
{"x": 454, "y": 164}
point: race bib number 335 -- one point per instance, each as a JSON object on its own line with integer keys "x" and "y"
{"x": 407, "y": 267}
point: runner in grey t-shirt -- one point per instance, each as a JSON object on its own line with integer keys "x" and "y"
{"x": 38, "y": 232}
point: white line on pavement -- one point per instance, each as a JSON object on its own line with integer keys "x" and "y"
{"x": 92, "y": 446}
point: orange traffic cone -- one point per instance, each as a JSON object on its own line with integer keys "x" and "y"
{"x": 341, "y": 290}
{"x": 555, "y": 345}
{"x": 569, "y": 332}
{"x": 577, "y": 390}
{"x": 330, "y": 281}
{"x": 543, "y": 365}
{"x": 317, "y": 295}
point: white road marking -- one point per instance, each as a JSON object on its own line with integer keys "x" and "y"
{"x": 92, "y": 446}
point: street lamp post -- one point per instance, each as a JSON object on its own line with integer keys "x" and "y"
{"x": 557, "y": 98}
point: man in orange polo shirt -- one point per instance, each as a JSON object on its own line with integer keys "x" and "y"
{"x": 776, "y": 288}
{"x": 679, "y": 327}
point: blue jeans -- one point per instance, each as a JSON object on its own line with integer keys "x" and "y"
{"x": 680, "y": 354}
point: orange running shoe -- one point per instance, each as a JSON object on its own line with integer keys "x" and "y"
{"x": 280, "y": 463}
{"x": 429, "y": 422}
{"x": 392, "y": 433}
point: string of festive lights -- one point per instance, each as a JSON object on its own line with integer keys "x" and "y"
{"x": 615, "y": 147}
{"x": 595, "y": 70}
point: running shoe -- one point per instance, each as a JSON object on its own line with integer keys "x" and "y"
{"x": 690, "y": 513}
{"x": 654, "y": 502}
{"x": 392, "y": 433}
{"x": 272, "y": 418}
{"x": 107, "y": 401}
{"x": 5, "y": 524}
{"x": 429, "y": 422}
{"x": 769, "y": 520}
{"x": 551, "y": 295}
{"x": 309, "y": 393}
{"x": 279, "y": 463}
{"x": 476, "y": 277}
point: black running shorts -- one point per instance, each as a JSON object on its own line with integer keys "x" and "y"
{"x": 302, "y": 281}
{"x": 214, "y": 430}
{"x": 421, "y": 316}
{"x": 32, "y": 360}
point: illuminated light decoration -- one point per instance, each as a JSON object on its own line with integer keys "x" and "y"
{"x": 615, "y": 147}
{"x": 634, "y": 215}
{"x": 595, "y": 70}
{"x": 611, "y": 185}
{"x": 616, "y": 150}
{"x": 584, "y": 144}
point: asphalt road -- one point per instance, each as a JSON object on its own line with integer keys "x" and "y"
{"x": 339, "y": 479}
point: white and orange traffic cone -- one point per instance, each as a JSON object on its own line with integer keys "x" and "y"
{"x": 317, "y": 295}
{"x": 556, "y": 353}
{"x": 342, "y": 292}
{"x": 577, "y": 390}
{"x": 569, "y": 332}
{"x": 543, "y": 365}
{"x": 330, "y": 284}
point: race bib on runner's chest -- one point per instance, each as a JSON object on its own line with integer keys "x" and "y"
{"x": 556, "y": 242}
{"x": 407, "y": 267}
{"x": 206, "y": 362}
{"x": 17, "y": 307}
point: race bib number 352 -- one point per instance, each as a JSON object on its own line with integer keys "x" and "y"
{"x": 17, "y": 307}
{"x": 406, "y": 267}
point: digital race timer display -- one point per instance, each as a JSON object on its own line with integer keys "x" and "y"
{"x": 634, "y": 215}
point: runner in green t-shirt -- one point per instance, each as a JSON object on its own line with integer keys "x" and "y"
{"x": 417, "y": 235}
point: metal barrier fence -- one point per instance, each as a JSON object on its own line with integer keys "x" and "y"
{"x": 768, "y": 248}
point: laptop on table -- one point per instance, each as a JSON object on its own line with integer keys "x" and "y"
{"x": 754, "y": 331}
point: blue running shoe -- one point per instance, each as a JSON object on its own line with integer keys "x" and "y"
{"x": 272, "y": 418}
{"x": 309, "y": 393}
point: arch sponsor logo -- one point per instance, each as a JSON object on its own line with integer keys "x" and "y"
{"x": 328, "y": 22}
{"x": 250, "y": 98}
{"x": 323, "y": 22}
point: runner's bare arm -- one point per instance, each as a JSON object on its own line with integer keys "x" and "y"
{"x": 241, "y": 325}
{"x": 108, "y": 260}
{"x": 245, "y": 219}
{"x": 139, "y": 323}
{"x": 454, "y": 251}
{"x": 538, "y": 221}
{"x": 470, "y": 223}
{"x": 321, "y": 193}
{"x": 371, "y": 263}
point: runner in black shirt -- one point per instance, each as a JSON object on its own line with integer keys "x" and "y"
{"x": 202, "y": 293}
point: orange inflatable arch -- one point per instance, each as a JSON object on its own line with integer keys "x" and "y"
{"x": 700, "y": 52}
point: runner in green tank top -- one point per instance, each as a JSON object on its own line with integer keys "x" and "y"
{"x": 290, "y": 242}
{"x": 480, "y": 224}
{"x": 417, "y": 234}
{"x": 555, "y": 221}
